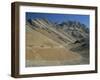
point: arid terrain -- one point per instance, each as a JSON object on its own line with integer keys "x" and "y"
{"x": 49, "y": 45}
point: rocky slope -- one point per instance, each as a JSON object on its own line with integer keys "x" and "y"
{"x": 66, "y": 32}
{"x": 57, "y": 38}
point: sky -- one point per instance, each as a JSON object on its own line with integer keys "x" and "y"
{"x": 58, "y": 18}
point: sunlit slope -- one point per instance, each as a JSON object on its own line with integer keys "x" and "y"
{"x": 43, "y": 51}
{"x": 35, "y": 38}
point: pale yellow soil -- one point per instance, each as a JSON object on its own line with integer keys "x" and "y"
{"x": 42, "y": 51}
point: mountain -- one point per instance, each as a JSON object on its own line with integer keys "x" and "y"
{"x": 67, "y": 38}
{"x": 42, "y": 50}
{"x": 65, "y": 33}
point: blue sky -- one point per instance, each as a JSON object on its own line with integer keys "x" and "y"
{"x": 84, "y": 19}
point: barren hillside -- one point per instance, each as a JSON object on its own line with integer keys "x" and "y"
{"x": 48, "y": 45}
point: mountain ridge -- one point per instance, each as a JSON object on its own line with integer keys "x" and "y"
{"x": 71, "y": 36}
{"x": 74, "y": 33}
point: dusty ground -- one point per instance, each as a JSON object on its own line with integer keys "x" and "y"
{"x": 42, "y": 51}
{"x": 51, "y": 56}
